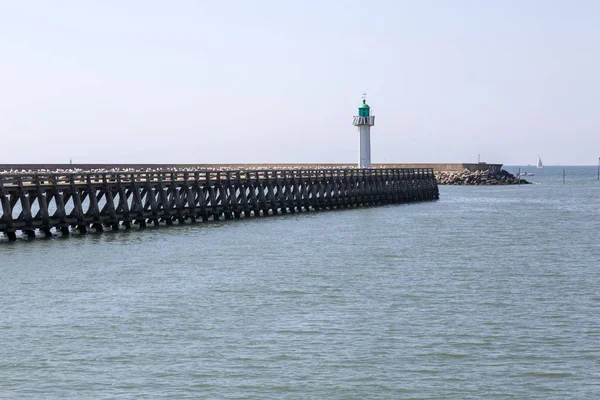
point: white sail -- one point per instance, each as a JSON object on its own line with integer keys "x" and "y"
{"x": 539, "y": 163}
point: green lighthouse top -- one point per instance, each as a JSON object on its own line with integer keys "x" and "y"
{"x": 363, "y": 110}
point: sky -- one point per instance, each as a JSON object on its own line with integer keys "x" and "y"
{"x": 272, "y": 81}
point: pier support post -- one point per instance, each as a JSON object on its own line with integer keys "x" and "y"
{"x": 64, "y": 231}
{"x": 30, "y": 234}
{"x": 12, "y": 236}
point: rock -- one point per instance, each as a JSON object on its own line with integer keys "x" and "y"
{"x": 467, "y": 177}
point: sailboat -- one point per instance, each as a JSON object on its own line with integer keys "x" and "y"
{"x": 539, "y": 163}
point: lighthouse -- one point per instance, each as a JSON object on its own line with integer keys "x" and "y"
{"x": 364, "y": 120}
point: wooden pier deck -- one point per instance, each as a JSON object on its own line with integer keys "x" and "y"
{"x": 61, "y": 202}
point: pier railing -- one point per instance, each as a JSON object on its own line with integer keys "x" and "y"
{"x": 66, "y": 201}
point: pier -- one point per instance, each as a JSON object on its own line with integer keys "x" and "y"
{"x": 49, "y": 203}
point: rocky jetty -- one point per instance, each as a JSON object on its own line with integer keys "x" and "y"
{"x": 487, "y": 177}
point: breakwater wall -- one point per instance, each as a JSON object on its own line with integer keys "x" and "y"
{"x": 62, "y": 202}
{"x": 438, "y": 167}
{"x": 467, "y": 177}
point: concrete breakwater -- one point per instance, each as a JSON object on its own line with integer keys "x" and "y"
{"x": 12, "y": 169}
{"x": 62, "y": 202}
{"x": 445, "y": 173}
{"x": 488, "y": 177}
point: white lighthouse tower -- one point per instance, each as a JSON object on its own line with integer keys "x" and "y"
{"x": 364, "y": 120}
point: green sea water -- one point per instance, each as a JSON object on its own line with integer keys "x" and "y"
{"x": 490, "y": 292}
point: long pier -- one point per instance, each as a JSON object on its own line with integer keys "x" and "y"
{"x": 63, "y": 202}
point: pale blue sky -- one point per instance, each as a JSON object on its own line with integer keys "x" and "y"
{"x": 279, "y": 81}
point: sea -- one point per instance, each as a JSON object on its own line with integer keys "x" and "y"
{"x": 491, "y": 292}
